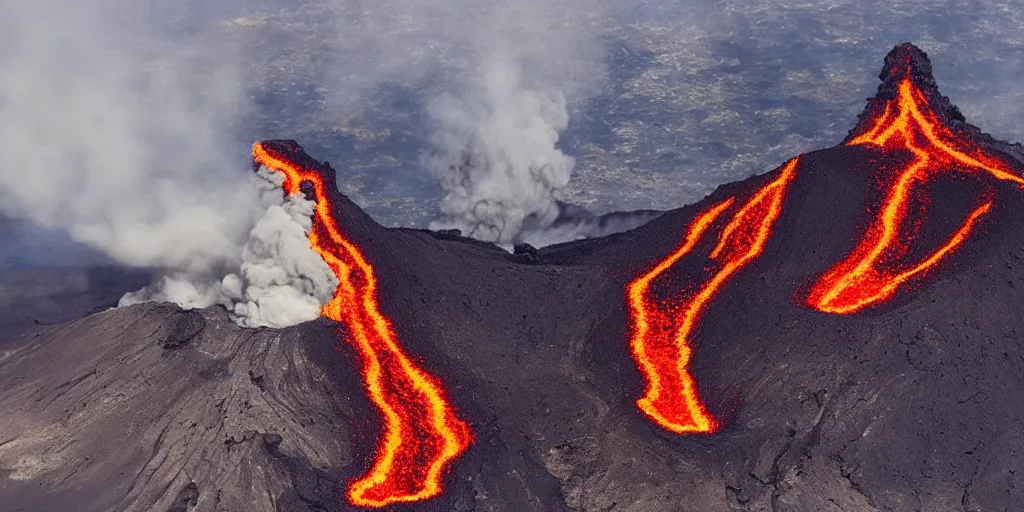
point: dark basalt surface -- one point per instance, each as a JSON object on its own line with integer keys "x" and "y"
{"x": 912, "y": 405}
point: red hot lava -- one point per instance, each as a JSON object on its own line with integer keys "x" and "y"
{"x": 905, "y": 123}
{"x": 905, "y": 126}
{"x": 421, "y": 434}
{"x": 661, "y": 336}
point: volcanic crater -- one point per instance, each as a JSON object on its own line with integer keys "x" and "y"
{"x": 841, "y": 333}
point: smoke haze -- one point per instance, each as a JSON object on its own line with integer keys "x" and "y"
{"x": 494, "y": 154}
{"x": 124, "y": 139}
{"x": 281, "y": 281}
{"x": 500, "y": 81}
{"x": 127, "y": 125}
{"x": 124, "y": 135}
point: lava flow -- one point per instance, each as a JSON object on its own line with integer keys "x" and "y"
{"x": 908, "y": 122}
{"x": 421, "y": 434}
{"x": 660, "y": 340}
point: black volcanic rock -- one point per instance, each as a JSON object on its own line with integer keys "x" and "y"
{"x": 186, "y": 326}
{"x": 907, "y": 58}
{"x": 911, "y": 405}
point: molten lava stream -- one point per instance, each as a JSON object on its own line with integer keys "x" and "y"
{"x": 872, "y": 272}
{"x": 660, "y": 338}
{"x": 421, "y": 434}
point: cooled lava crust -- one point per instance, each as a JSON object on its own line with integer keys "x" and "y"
{"x": 910, "y": 403}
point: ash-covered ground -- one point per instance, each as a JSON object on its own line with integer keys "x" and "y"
{"x": 910, "y": 405}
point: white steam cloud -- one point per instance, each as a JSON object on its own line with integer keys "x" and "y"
{"x": 121, "y": 138}
{"x": 494, "y": 154}
{"x": 117, "y": 150}
{"x": 494, "y": 143}
{"x": 281, "y": 280}
{"x": 503, "y": 79}
{"x": 122, "y": 133}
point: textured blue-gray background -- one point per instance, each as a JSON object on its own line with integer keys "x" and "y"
{"x": 697, "y": 94}
{"x": 691, "y": 94}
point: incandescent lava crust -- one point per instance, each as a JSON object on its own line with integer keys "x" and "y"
{"x": 910, "y": 404}
{"x": 909, "y": 56}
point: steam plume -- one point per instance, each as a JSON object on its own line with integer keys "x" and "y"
{"x": 495, "y": 155}
{"x": 494, "y": 144}
{"x": 122, "y": 139}
{"x": 280, "y": 280}
{"x": 501, "y": 80}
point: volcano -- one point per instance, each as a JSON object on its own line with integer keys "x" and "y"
{"x": 840, "y": 333}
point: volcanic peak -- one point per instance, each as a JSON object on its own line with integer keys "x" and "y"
{"x": 908, "y": 61}
{"x": 291, "y": 151}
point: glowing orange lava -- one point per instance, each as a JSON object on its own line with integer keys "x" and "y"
{"x": 421, "y": 434}
{"x": 873, "y": 271}
{"x": 660, "y": 337}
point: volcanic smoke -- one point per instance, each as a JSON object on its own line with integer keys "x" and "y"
{"x": 279, "y": 280}
{"x": 495, "y": 156}
{"x": 494, "y": 151}
{"x": 422, "y": 434}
